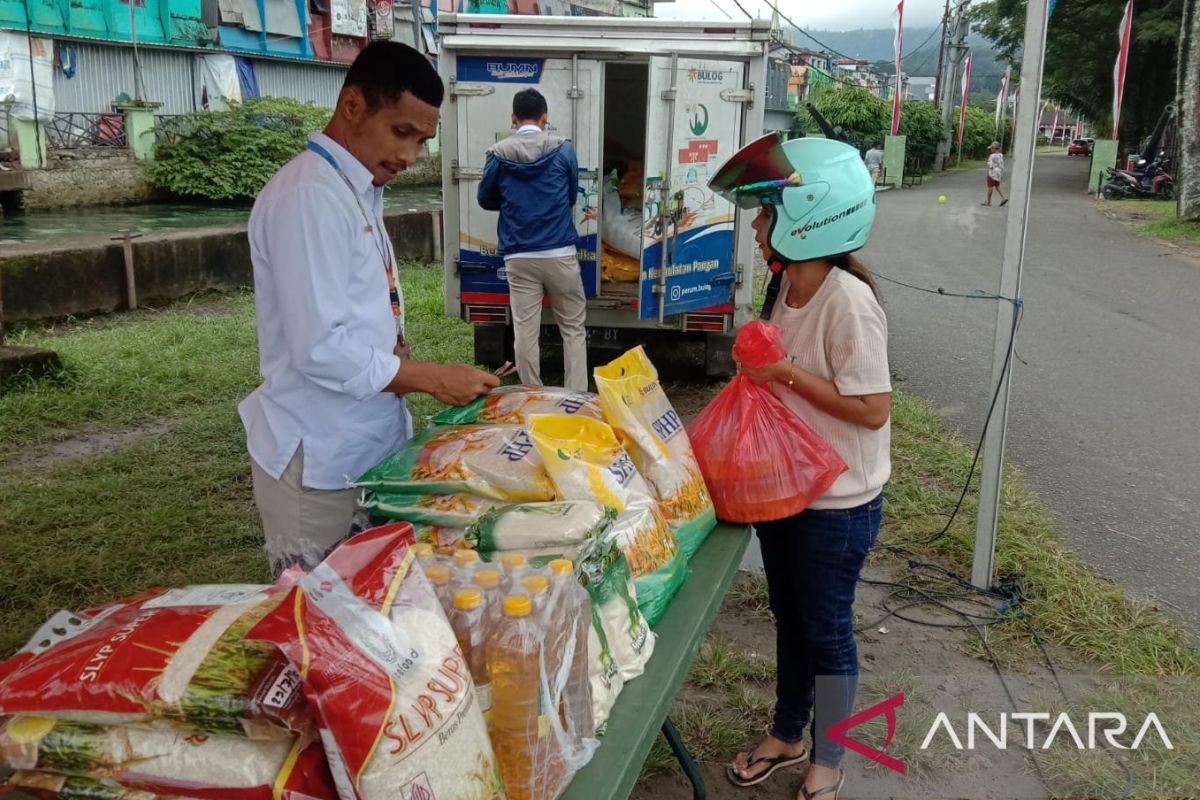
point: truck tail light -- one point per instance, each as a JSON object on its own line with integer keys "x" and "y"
{"x": 487, "y": 314}
{"x": 713, "y": 323}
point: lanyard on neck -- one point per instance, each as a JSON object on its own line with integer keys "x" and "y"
{"x": 395, "y": 292}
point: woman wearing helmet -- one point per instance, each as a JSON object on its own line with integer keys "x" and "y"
{"x": 816, "y": 206}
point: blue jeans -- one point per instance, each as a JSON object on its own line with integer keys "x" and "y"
{"x": 813, "y": 561}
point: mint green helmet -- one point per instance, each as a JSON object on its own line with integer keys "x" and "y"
{"x": 820, "y": 189}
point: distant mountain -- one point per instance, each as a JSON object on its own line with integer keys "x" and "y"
{"x": 920, "y": 53}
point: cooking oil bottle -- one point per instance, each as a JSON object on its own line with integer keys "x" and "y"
{"x": 570, "y": 604}
{"x": 467, "y": 621}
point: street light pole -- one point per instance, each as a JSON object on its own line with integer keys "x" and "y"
{"x": 1008, "y": 314}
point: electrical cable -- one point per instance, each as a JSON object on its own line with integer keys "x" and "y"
{"x": 1018, "y": 312}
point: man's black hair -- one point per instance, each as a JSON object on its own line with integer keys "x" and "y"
{"x": 384, "y": 71}
{"x": 529, "y": 104}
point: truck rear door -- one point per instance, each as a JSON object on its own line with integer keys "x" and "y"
{"x": 694, "y": 125}
{"x": 483, "y": 87}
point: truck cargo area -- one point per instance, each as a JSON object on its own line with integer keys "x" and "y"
{"x": 623, "y": 160}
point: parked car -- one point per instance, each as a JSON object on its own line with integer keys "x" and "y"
{"x": 1080, "y": 147}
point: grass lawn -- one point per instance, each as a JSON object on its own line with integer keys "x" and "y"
{"x": 1153, "y": 218}
{"x": 174, "y": 506}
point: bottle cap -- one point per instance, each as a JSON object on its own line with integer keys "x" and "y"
{"x": 562, "y": 566}
{"x": 535, "y": 584}
{"x": 438, "y": 574}
{"x": 422, "y": 549}
{"x": 517, "y": 605}
{"x": 465, "y": 558}
{"x": 514, "y": 560}
{"x": 487, "y": 578}
{"x": 466, "y": 599}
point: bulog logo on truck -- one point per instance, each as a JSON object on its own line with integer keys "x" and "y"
{"x": 697, "y": 75}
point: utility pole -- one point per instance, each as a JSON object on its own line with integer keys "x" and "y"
{"x": 956, "y": 37}
{"x": 1188, "y": 102}
{"x": 937, "y": 81}
{"x": 1007, "y": 314}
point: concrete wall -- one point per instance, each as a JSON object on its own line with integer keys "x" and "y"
{"x": 57, "y": 279}
{"x": 86, "y": 178}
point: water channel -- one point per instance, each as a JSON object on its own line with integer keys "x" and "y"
{"x": 44, "y": 225}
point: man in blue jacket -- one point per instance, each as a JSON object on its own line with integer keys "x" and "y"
{"x": 532, "y": 178}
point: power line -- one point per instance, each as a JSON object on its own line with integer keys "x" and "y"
{"x": 717, "y": 6}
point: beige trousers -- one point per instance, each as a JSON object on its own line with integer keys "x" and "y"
{"x": 559, "y": 278}
{"x": 301, "y": 525}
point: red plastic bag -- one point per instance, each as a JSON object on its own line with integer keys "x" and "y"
{"x": 760, "y": 460}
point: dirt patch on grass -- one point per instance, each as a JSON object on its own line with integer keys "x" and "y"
{"x": 86, "y": 445}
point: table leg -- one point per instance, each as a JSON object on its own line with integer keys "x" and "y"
{"x": 685, "y": 759}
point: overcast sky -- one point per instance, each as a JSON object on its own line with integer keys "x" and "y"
{"x": 835, "y": 16}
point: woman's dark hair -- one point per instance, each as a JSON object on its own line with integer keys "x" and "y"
{"x": 529, "y": 104}
{"x": 384, "y": 71}
{"x": 850, "y": 264}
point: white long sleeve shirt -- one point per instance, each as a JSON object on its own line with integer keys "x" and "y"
{"x": 326, "y": 330}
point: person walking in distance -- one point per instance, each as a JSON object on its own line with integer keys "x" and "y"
{"x": 874, "y": 160}
{"x": 995, "y": 171}
{"x": 532, "y": 179}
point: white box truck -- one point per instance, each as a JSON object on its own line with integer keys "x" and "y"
{"x": 653, "y": 107}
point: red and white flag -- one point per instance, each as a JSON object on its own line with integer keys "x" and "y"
{"x": 1125, "y": 33}
{"x": 1001, "y": 99}
{"x": 962, "y": 103}
{"x": 898, "y": 17}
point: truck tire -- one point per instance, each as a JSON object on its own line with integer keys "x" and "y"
{"x": 493, "y": 345}
{"x": 718, "y": 355}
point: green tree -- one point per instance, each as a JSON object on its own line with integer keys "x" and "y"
{"x": 229, "y": 155}
{"x": 1081, "y": 48}
{"x": 921, "y": 123}
{"x": 979, "y": 131}
{"x": 863, "y": 116}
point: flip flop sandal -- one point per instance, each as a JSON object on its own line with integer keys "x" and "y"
{"x": 835, "y": 790}
{"x": 1004, "y": 202}
{"x": 773, "y": 765}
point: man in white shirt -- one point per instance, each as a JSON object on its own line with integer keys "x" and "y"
{"x": 330, "y": 310}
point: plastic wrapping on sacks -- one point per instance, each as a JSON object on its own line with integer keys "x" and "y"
{"x": 539, "y": 529}
{"x": 443, "y": 510}
{"x": 514, "y": 405}
{"x": 175, "y": 654}
{"x": 760, "y": 460}
{"x": 160, "y": 758}
{"x": 394, "y": 696}
{"x": 496, "y": 461}
{"x": 620, "y": 642}
{"x": 52, "y": 786}
{"x": 586, "y": 462}
{"x": 649, "y": 428}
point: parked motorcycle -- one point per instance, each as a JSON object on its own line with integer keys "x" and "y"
{"x": 1149, "y": 180}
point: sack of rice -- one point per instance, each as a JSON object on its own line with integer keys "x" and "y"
{"x": 537, "y": 529}
{"x": 620, "y": 641}
{"x": 586, "y": 462}
{"x": 443, "y": 510}
{"x": 160, "y": 758}
{"x": 175, "y": 654}
{"x": 513, "y": 405}
{"x": 52, "y": 786}
{"x": 394, "y": 697}
{"x": 496, "y": 461}
{"x": 647, "y": 425}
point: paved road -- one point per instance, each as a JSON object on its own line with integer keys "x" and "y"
{"x": 1105, "y": 418}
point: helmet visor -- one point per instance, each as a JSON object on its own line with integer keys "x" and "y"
{"x": 756, "y": 175}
